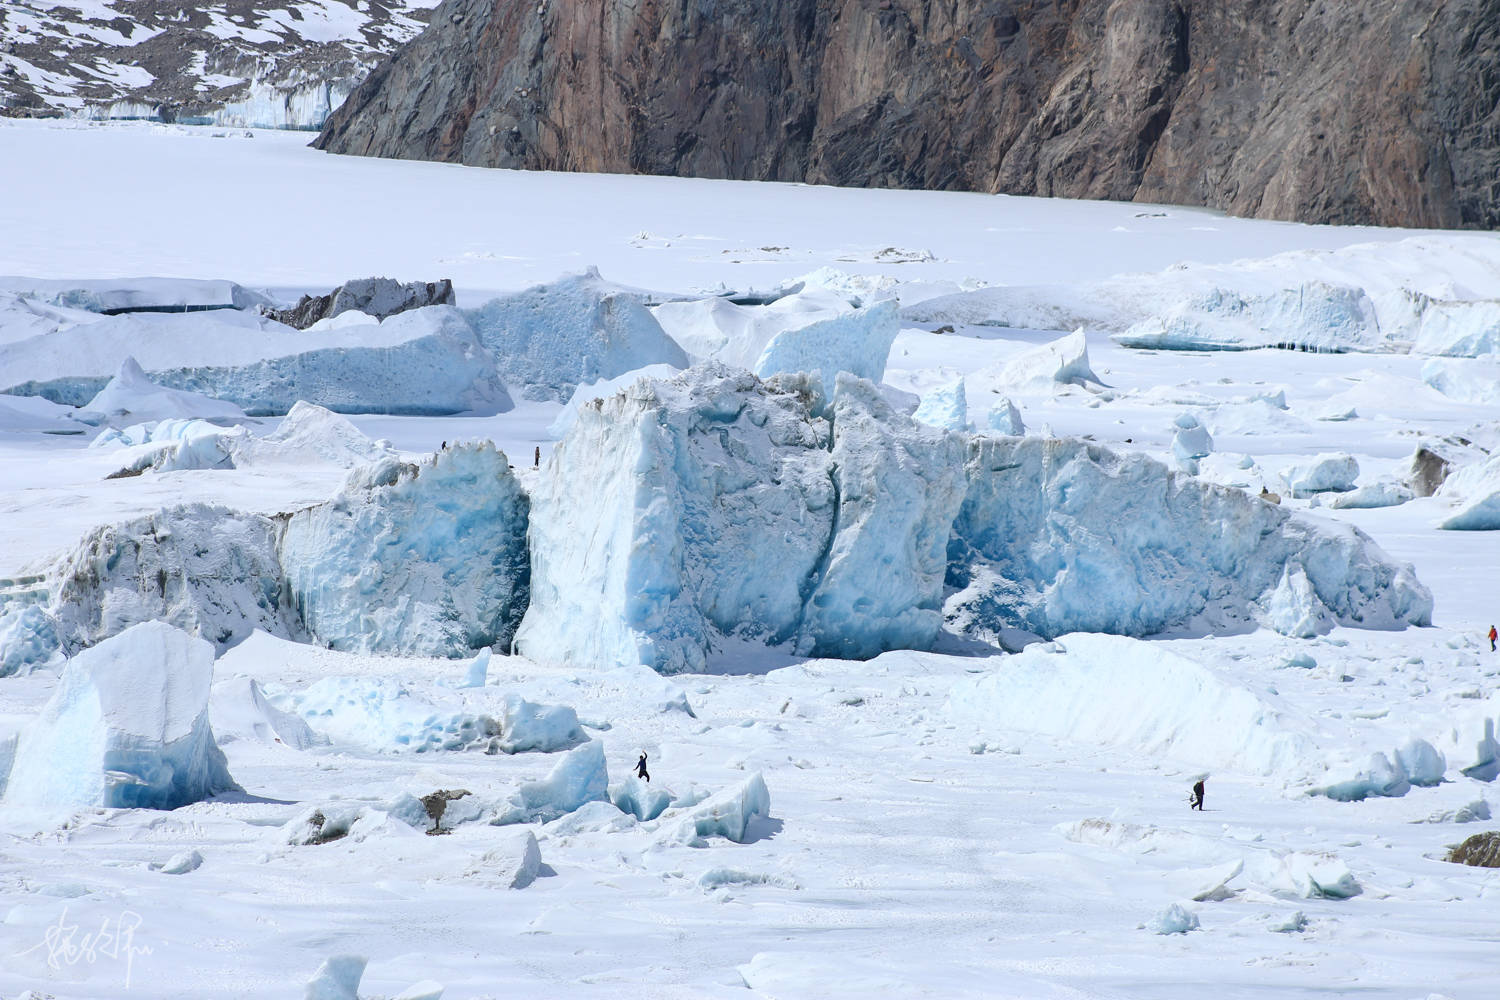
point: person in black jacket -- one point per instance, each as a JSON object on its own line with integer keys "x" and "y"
{"x": 1195, "y": 800}
{"x": 640, "y": 767}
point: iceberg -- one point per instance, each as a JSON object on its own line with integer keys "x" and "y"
{"x": 549, "y": 339}
{"x": 426, "y": 362}
{"x": 203, "y": 568}
{"x": 719, "y": 506}
{"x": 640, "y": 798}
{"x": 1004, "y": 418}
{"x": 127, "y": 727}
{"x": 1381, "y": 493}
{"x": 1465, "y": 380}
{"x": 815, "y": 331}
{"x": 1380, "y": 777}
{"x": 1311, "y": 316}
{"x": 1327, "y": 473}
{"x": 946, "y": 407}
{"x": 528, "y": 726}
{"x": 310, "y": 433}
{"x": 1464, "y": 329}
{"x": 1475, "y": 492}
{"x": 428, "y": 560}
{"x": 1064, "y": 361}
{"x": 1060, "y": 535}
{"x": 386, "y": 716}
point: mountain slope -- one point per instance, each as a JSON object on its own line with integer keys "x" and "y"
{"x": 242, "y": 62}
{"x": 1363, "y": 112}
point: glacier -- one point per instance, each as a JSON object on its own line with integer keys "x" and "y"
{"x": 426, "y": 559}
{"x": 127, "y": 727}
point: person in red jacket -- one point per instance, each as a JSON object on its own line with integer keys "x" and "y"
{"x": 1493, "y": 636}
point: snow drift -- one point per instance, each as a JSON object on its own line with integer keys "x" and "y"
{"x": 127, "y": 727}
{"x": 1097, "y": 689}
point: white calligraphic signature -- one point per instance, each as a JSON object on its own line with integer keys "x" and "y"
{"x": 68, "y": 944}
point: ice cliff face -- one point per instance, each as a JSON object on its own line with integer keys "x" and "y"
{"x": 427, "y": 560}
{"x": 1332, "y": 112}
{"x": 686, "y": 513}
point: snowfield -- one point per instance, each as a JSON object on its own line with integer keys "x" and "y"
{"x": 929, "y": 547}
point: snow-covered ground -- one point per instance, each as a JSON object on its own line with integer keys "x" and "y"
{"x": 959, "y": 822}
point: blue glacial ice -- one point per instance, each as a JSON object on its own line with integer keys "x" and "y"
{"x": 550, "y": 338}
{"x": 640, "y": 798}
{"x": 946, "y": 407}
{"x": 424, "y": 559}
{"x": 729, "y": 814}
{"x": 28, "y": 639}
{"x": 127, "y": 727}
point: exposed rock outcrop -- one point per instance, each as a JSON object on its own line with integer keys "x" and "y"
{"x": 1356, "y": 112}
{"x": 375, "y": 297}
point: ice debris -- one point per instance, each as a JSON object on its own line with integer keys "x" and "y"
{"x": 728, "y": 814}
{"x": 1175, "y": 919}
{"x": 581, "y": 776}
{"x": 946, "y": 407}
{"x": 131, "y": 398}
{"x": 514, "y": 864}
{"x": 337, "y": 978}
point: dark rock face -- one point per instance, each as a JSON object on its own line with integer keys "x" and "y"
{"x": 1346, "y": 111}
{"x": 377, "y": 297}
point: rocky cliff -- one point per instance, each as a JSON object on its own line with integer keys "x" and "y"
{"x": 1346, "y": 111}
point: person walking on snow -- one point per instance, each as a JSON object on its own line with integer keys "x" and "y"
{"x": 1195, "y": 801}
{"x": 1493, "y": 636}
{"x": 640, "y": 767}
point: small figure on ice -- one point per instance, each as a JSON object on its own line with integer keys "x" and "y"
{"x": 640, "y": 767}
{"x": 1195, "y": 799}
{"x": 1493, "y": 636}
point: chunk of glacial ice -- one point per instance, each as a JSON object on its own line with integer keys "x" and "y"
{"x": 127, "y": 727}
